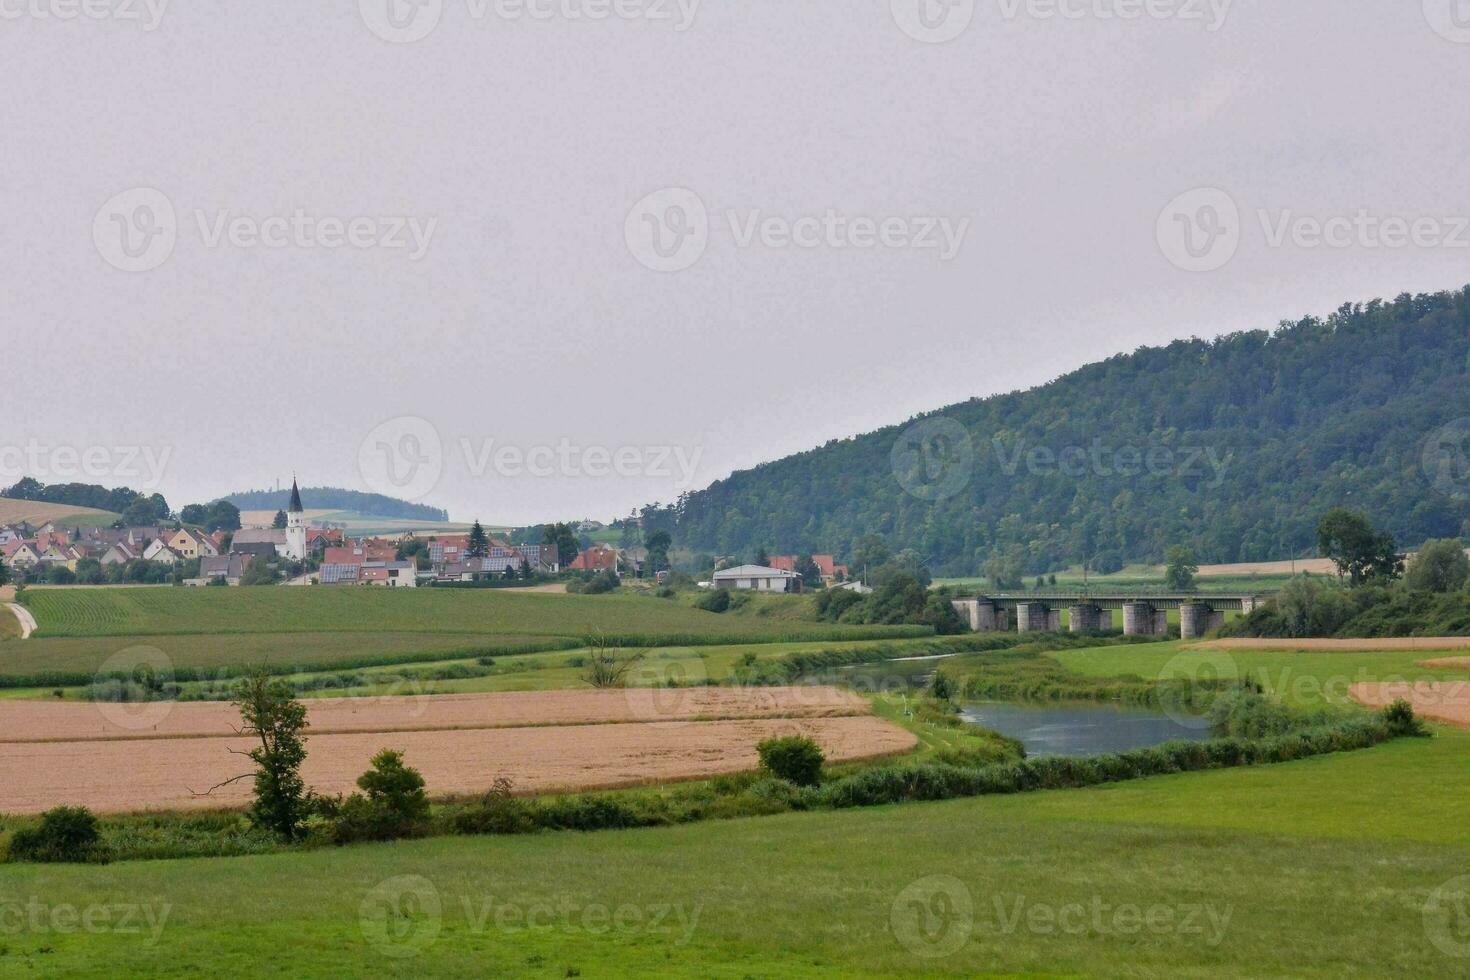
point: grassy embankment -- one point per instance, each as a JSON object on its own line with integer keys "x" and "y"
{"x": 1313, "y": 868}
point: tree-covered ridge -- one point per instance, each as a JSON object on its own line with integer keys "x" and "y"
{"x": 335, "y": 498}
{"x": 1253, "y": 436}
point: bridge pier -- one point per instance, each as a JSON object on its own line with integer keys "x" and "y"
{"x": 1032, "y": 617}
{"x": 1142, "y": 619}
{"x": 1085, "y": 618}
{"x": 1198, "y": 618}
{"x": 979, "y": 614}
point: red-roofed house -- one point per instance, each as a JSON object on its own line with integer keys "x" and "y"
{"x": 598, "y": 559}
{"x": 826, "y": 565}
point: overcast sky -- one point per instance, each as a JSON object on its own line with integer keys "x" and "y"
{"x": 252, "y": 238}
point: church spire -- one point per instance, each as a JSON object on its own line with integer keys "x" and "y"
{"x": 295, "y": 506}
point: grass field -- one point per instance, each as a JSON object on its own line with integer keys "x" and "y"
{"x": 209, "y": 651}
{"x": 158, "y": 612}
{"x": 1308, "y": 872}
{"x": 14, "y": 511}
{"x": 1324, "y": 867}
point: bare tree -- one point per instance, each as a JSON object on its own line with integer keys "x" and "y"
{"x": 607, "y": 663}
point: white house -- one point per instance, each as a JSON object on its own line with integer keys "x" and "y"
{"x": 758, "y": 578}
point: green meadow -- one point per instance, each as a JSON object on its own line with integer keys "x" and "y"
{"x": 1345, "y": 864}
{"x": 158, "y": 612}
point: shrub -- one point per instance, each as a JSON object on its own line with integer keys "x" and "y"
{"x": 586, "y": 813}
{"x": 67, "y": 833}
{"x": 716, "y": 602}
{"x": 395, "y": 804}
{"x": 794, "y": 758}
{"x": 1399, "y": 718}
{"x": 497, "y": 812}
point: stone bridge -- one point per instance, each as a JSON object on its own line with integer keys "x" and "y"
{"x": 1144, "y": 614}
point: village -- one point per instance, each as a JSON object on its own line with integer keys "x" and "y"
{"x": 292, "y": 550}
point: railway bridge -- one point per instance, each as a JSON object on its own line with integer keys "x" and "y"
{"x": 1144, "y": 614}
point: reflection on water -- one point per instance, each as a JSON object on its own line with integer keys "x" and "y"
{"x": 1045, "y": 729}
{"x": 1081, "y": 729}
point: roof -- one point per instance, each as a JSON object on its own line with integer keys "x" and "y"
{"x": 754, "y": 571}
{"x": 295, "y": 506}
{"x": 258, "y": 535}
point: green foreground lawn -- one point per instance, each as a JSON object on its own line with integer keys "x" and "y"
{"x": 1338, "y": 865}
{"x": 1318, "y": 868}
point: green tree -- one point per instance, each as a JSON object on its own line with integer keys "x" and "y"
{"x": 1360, "y": 551}
{"x": 280, "y": 522}
{"x": 1181, "y": 570}
{"x": 393, "y": 802}
{"x": 478, "y": 545}
{"x": 564, "y": 540}
{"x": 273, "y": 717}
{"x": 1440, "y": 566}
{"x": 810, "y": 572}
{"x": 762, "y": 557}
{"x": 658, "y": 544}
{"x": 4, "y": 572}
{"x": 260, "y": 572}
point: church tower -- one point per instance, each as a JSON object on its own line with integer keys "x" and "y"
{"x": 295, "y": 526}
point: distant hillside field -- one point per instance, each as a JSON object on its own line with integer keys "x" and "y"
{"x": 36, "y": 512}
{"x": 145, "y": 612}
{"x": 338, "y": 499}
{"x": 1233, "y": 447}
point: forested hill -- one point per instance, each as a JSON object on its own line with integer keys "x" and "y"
{"x": 1252, "y": 436}
{"x": 335, "y": 498}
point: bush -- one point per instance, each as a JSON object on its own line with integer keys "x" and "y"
{"x": 1399, "y": 718}
{"x": 716, "y": 602}
{"x": 600, "y": 584}
{"x": 65, "y": 834}
{"x": 395, "y": 805}
{"x": 497, "y": 812}
{"x": 794, "y": 758}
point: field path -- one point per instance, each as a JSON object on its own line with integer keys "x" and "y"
{"x": 27, "y": 621}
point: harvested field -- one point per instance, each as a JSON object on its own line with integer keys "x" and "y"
{"x": 580, "y": 743}
{"x": 1453, "y": 662}
{"x": 46, "y": 721}
{"x": 1321, "y": 645}
{"x": 1446, "y": 701}
{"x": 14, "y": 511}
